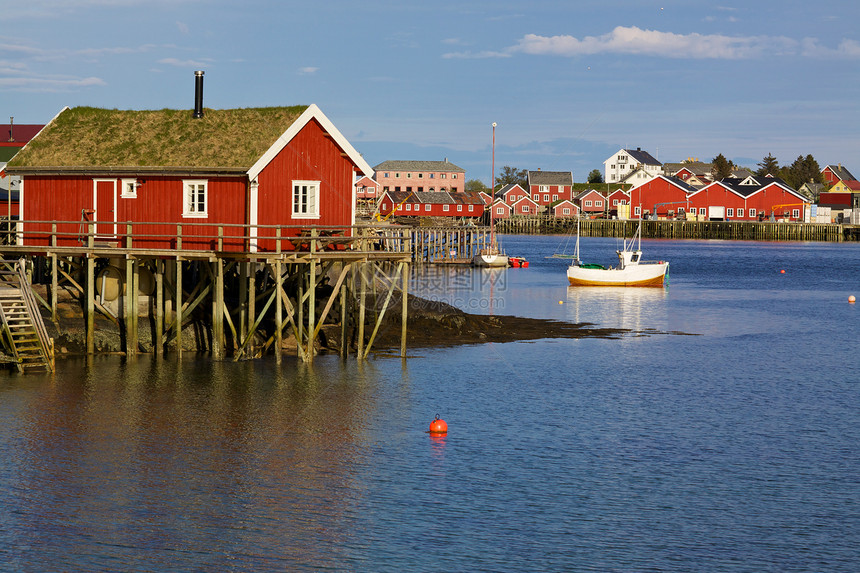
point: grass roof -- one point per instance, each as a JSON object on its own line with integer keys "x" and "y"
{"x": 87, "y": 137}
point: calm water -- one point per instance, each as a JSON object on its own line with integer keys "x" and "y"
{"x": 720, "y": 435}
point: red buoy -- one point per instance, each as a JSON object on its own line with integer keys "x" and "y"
{"x": 438, "y": 426}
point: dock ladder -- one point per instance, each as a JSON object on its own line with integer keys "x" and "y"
{"x": 24, "y": 335}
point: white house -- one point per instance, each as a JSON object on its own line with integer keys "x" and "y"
{"x": 625, "y": 161}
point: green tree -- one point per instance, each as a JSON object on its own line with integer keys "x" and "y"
{"x": 511, "y": 175}
{"x": 595, "y": 176}
{"x": 803, "y": 170}
{"x": 476, "y": 185}
{"x": 722, "y": 167}
{"x": 768, "y": 166}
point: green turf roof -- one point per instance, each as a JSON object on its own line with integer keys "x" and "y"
{"x": 93, "y": 138}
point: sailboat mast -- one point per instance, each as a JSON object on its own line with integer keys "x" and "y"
{"x": 493, "y": 189}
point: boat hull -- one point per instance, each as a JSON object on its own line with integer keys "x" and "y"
{"x": 641, "y": 275}
{"x": 490, "y": 260}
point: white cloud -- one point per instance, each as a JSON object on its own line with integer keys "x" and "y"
{"x": 308, "y": 70}
{"x": 48, "y": 83}
{"x": 845, "y": 49}
{"x": 182, "y": 63}
{"x": 476, "y": 55}
{"x": 183, "y": 27}
{"x": 634, "y": 40}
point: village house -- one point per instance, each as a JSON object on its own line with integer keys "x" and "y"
{"x": 548, "y": 187}
{"x": 656, "y": 198}
{"x": 525, "y": 206}
{"x": 420, "y": 176}
{"x": 625, "y": 161}
{"x": 431, "y": 204}
{"x": 511, "y": 193}
{"x": 366, "y": 189}
{"x": 500, "y": 209}
{"x": 835, "y": 173}
{"x": 12, "y": 139}
{"x": 565, "y": 209}
{"x": 242, "y": 169}
{"x": 591, "y": 203}
{"x": 616, "y": 198}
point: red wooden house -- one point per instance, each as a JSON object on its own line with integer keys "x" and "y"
{"x": 548, "y": 187}
{"x": 565, "y": 209}
{"x": 525, "y": 206}
{"x": 366, "y": 190}
{"x": 501, "y": 210}
{"x": 836, "y": 173}
{"x": 616, "y": 198}
{"x": 660, "y": 195}
{"x": 591, "y": 203}
{"x": 748, "y": 199}
{"x": 431, "y": 204}
{"x": 245, "y": 170}
{"x": 511, "y": 193}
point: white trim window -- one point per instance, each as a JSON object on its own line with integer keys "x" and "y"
{"x": 195, "y": 198}
{"x": 702, "y": 210}
{"x": 427, "y": 207}
{"x": 566, "y": 211}
{"x": 730, "y": 212}
{"x": 740, "y": 212}
{"x": 128, "y": 189}
{"x": 637, "y": 210}
{"x": 306, "y": 200}
{"x": 459, "y": 208}
{"x": 446, "y": 207}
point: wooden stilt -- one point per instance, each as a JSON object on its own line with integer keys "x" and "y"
{"x": 158, "y": 343}
{"x": 178, "y": 322}
{"x": 361, "y": 308}
{"x": 344, "y": 349}
{"x": 404, "y": 309}
{"x": 279, "y": 310}
{"x": 312, "y": 299}
{"x": 218, "y": 342}
{"x": 91, "y": 292}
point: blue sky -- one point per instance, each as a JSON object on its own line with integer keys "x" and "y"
{"x": 569, "y": 83}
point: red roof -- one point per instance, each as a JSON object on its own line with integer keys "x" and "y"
{"x": 14, "y": 135}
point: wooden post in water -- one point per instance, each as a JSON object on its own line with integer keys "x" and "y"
{"x": 279, "y": 310}
{"x": 158, "y": 346}
{"x": 218, "y": 341}
{"x": 404, "y": 309}
{"x": 361, "y": 308}
{"x": 91, "y": 291}
{"x": 178, "y": 313}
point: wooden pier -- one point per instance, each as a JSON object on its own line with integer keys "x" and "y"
{"x": 725, "y": 230}
{"x": 246, "y": 301}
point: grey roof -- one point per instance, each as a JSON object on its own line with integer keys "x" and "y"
{"x": 753, "y": 184}
{"x": 840, "y": 172}
{"x": 426, "y": 166}
{"x": 642, "y": 156}
{"x": 550, "y": 178}
{"x": 436, "y": 197}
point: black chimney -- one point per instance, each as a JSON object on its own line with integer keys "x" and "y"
{"x": 198, "y": 95}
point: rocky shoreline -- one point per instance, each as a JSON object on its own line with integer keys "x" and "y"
{"x": 431, "y": 324}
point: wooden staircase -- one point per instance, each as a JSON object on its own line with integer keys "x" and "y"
{"x": 24, "y": 335}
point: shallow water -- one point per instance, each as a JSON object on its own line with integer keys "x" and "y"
{"x": 723, "y": 439}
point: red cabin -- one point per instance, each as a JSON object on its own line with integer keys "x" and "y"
{"x": 224, "y": 181}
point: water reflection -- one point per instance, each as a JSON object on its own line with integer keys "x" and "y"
{"x": 155, "y": 455}
{"x": 618, "y": 307}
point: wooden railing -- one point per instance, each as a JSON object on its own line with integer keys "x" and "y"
{"x": 203, "y": 237}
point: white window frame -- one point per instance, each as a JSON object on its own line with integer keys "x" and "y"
{"x": 565, "y": 210}
{"x": 500, "y": 210}
{"x": 408, "y": 207}
{"x": 459, "y": 207}
{"x": 471, "y": 208}
{"x": 191, "y": 202}
{"x": 300, "y": 211}
{"x": 446, "y": 207}
{"x": 128, "y": 190}
{"x": 730, "y": 212}
{"x": 637, "y": 210}
{"x": 427, "y": 207}
{"x": 588, "y": 203}
{"x": 702, "y": 211}
{"x": 525, "y": 209}
{"x": 740, "y": 211}
{"x": 795, "y": 213}
{"x": 598, "y": 204}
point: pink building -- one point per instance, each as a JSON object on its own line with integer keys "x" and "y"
{"x": 420, "y": 176}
